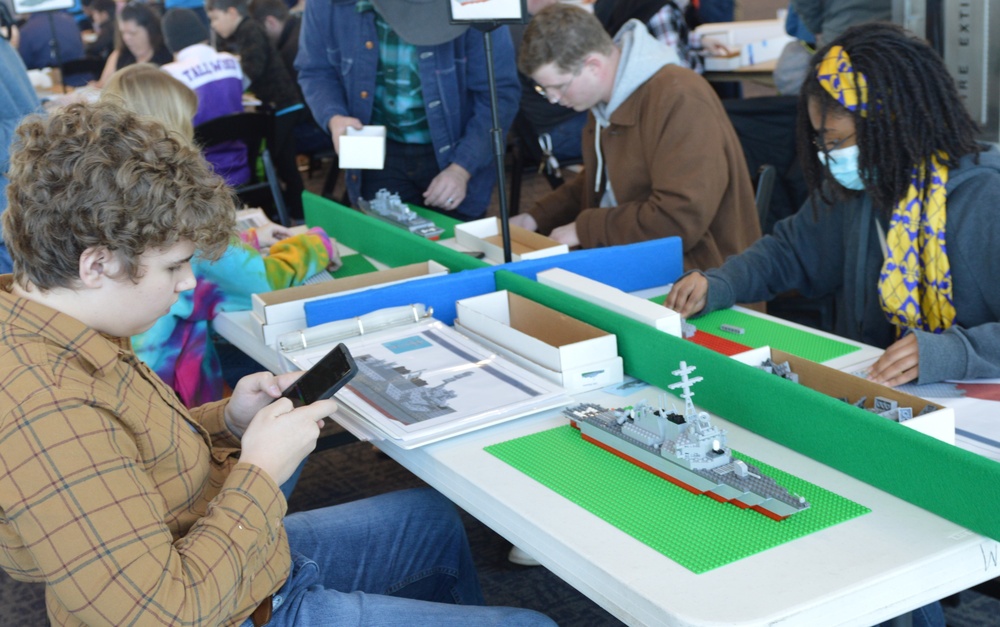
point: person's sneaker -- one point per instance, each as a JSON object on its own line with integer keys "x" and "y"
{"x": 519, "y": 557}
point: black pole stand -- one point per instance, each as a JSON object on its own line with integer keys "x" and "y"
{"x": 496, "y": 133}
{"x": 55, "y": 54}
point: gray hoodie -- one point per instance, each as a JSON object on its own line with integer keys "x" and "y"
{"x": 642, "y": 56}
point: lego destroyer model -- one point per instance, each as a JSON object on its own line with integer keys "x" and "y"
{"x": 389, "y": 208}
{"x": 687, "y": 450}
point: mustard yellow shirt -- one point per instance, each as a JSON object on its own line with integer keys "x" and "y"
{"x": 130, "y": 508}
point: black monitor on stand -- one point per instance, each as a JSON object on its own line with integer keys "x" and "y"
{"x": 487, "y": 16}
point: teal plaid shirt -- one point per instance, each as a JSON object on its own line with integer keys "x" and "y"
{"x": 399, "y": 101}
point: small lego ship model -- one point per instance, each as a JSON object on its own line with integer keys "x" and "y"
{"x": 389, "y": 208}
{"x": 687, "y": 450}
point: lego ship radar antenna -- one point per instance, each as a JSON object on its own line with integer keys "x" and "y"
{"x": 685, "y": 384}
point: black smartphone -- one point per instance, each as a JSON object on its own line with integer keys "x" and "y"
{"x": 324, "y": 379}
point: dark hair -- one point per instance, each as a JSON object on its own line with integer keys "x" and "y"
{"x": 183, "y": 28}
{"x": 262, "y": 9}
{"x": 104, "y": 6}
{"x": 146, "y": 18}
{"x": 99, "y": 176}
{"x": 914, "y": 110}
{"x": 241, "y": 6}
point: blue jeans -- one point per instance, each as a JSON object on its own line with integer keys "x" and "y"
{"x": 931, "y": 615}
{"x": 395, "y": 559}
{"x": 409, "y": 170}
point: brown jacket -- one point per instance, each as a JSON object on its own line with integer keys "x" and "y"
{"x": 676, "y": 168}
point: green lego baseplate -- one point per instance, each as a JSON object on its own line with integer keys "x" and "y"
{"x": 693, "y": 530}
{"x": 353, "y": 265}
{"x": 759, "y": 332}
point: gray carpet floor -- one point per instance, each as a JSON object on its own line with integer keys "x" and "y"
{"x": 356, "y": 470}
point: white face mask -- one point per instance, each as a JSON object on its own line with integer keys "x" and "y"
{"x": 843, "y": 166}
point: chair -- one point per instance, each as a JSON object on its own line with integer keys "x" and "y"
{"x": 78, "y": 72}
{"x": 817, "y": 313}
{"x": 766, "y": 130}
{"x": 764, "y": 190}
{"x": 525, "y": 154}
{"x": 253, "y": 130}
{"x": 316, "y": 163}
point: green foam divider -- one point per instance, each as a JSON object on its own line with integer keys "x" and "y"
{"x": 761, "y": 332}
{"x": 353, "y": 265}
{"x": 652, "y": 509}
{"x": 941, "y": 478}
{"x": 388, "y": 244}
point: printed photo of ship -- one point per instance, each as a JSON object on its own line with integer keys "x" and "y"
{"x": 423, "y": 382}
{"x": 418, "y": 380}
{"x": 401, "y": 394}
{"x": 687, "y": 450}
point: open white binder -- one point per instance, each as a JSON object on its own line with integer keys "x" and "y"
{"x": 424, "y": 382}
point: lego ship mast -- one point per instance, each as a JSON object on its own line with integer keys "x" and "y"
{"x": 685, "y": 384}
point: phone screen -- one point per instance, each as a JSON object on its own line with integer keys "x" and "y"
{"x": 323, "y": 379}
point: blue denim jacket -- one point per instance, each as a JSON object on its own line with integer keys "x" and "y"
{"x": 337, "y": 61}
{"x": 17, "y": 99}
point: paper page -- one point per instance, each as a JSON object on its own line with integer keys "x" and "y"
{"x": 424, "y": 382}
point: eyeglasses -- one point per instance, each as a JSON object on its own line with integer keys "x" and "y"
{"x": 554, "y": 93}
{"x": 820, "y": 142}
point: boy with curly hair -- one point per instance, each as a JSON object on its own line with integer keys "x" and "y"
{"x": 129, "y": 507}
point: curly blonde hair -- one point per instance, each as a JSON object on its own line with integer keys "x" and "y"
{"x": 100, "y": 176}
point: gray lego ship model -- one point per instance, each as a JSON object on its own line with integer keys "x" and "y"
{"x": 389, "y": 208}
{"x": 687, "y": 450}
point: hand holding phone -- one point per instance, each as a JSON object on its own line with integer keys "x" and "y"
{"x": 324, "y": 379}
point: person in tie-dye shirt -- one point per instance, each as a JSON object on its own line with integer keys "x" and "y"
{"x": 179, "y": 347}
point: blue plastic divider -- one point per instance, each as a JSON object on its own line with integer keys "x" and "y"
{"x": 629, "y": 267}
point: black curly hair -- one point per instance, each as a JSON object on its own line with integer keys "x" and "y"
{"x": 914, "y": 110}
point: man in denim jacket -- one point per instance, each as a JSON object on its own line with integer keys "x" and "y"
{"x": 401, "y": 64}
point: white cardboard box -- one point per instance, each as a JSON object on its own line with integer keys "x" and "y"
{"x": 287, "y": 304}
{"x": 268, "y": 333}
{"x": 738, "y": 34}
{"x": 484, "y": 236}
{"x": 546, "y": 337}
{"x": 364, "y": 149}
{"x": 613, "y": 299}
{"x": 938, "y": 424}
{"x": 751, "y": 41}
{"x": 574, "y": 381}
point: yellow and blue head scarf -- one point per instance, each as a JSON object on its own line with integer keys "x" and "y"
{"x": 914, "y": 286}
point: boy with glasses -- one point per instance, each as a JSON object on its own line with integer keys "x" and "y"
{"x": 660, "y": 156}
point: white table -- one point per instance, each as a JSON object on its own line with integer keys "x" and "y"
{"x": 869, "y": 569}
{"x": 866, "y": 570}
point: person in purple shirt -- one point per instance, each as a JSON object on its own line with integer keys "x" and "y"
{"x": 217, "y": 79}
